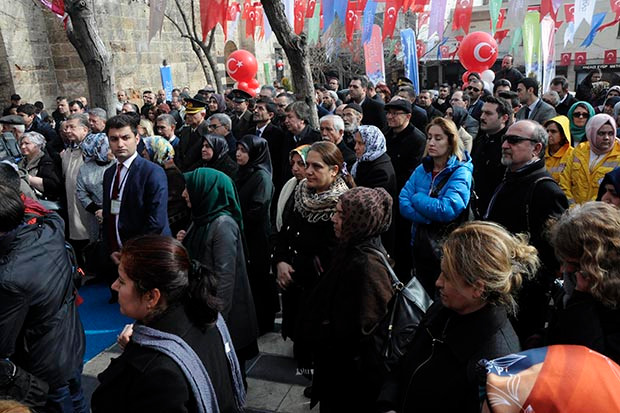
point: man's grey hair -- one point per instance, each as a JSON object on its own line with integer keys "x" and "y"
{"x": 169, "y": 119}
{"x": 17, "y": 128}
{"x": 271, "y": 89}
{"x": 552, "y": 96}
{"x": 82, "y": 118}
{"x": 223, "y": 118}
{"x": 301, "y": 110}
{"x": 539, "y": 134}
{"x": 337, "y": 121}
{"x": 333, "y": 95}
{"x": 35, "y": 138}
{"x": 100, "y": 113}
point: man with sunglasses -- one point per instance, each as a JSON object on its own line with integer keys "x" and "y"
{"x": 523, "y": 203}
{"x": 475, "y": 89}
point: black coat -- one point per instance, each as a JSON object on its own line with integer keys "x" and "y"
{"x": 405, "y": 149}
{"x": 486, "y": 155}
{"x": 374, "y": 114}
{"x": 188, "y": 155}
{"x": 380, "y": 174}
{"x": 242, "y": 125}
{"x": 142, "y": 379}
{"x": 508, "y": 208}
{"x": 347, "y": 153}
{"x": 275, "y": 139}
{"x": 307, "y": 137}
{"x": 512, "y": 75}
{"x": 419, "y": 118}
{"x": 40, "y": 329}
{"x": 432, "y": 112}
{"x": 563, "y": 107}
{"x": 438, "y": 371}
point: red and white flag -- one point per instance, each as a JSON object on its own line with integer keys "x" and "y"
{"x": 580, "y": 58}
{"x": 462, "y": 15}
{"x": 611, "y": 57}
{"x": 569, "y": 13}
{"x": 565, "y": 59}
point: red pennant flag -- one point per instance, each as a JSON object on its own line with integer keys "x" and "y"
{"x": 462, "y": 15}
{"x": 569, "y": 13}
{"x": 310, "y": 9}
{"x": 233, "y": 10}
{"x": 500, "y": 19}
{"x": 615, "y": 7}
{"x": 611, "y": 57}
{"x": 557, "y": 25}
{"x": 565, "y": 59}
{"x": 260, "y": 19}
{"x": 423, "y": 18}
{"x": 417, "y": 6}
{"x": 500, "y": 35}
{"x": 392, "y": 7}
{"x": 420, "y": 47}
{"x": 212, "y": 12}
{"x": 533, "y": 8}
{"x": 610, "y": 24}
{"x": 580, "y": 58}
{"x": 299, "y": 10}
{"x": 352, "y": 22}
{"x": 546, "y": 7}
{"x": 252, "y": 20}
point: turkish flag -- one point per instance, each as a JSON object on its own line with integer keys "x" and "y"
{"x": 500, "y": 35}
{"x": 417, "y": 6}
{"x": 254, "y": 13}
{"x": 212, "y": 12}
{"x": 420, "y": 48}
{"x": 310, "y": 8}
{"x": 500, "y": 19}
{"x": 233, "y": 9}
{"x": 615, "y": 7}
{"x": 580, "y": 58}
{"x": 569, "y": 13}
{"x": 611, "y": 56}
{"x": 547, "y": 8}
{"x": 565, "y": 59}
{"x": 462, "y": 15}
{"x": 392, "y": 7}
{"x": 445, "y": 51}
{"x": 352, "y": 21}
{"x": 299, "y": 10}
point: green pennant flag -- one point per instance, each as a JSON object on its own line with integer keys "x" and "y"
{"x": 531, "y": 44}
{"x": 494, "y": 8}
{"x": 313, "y": 25}
{"x": 516, "y": 41}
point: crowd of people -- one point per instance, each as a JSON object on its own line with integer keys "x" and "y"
{"x": 206, "y": 215}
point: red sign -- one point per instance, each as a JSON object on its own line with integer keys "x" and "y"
{"x": 565, "y": 60}
{"x": 580, "y": 58}
{"x": 611, "y": 56}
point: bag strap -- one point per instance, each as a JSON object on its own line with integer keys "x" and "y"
{"x": 530, "y": 196}
{"x": 397, "y": 285}
{"x": 437, "y": 188}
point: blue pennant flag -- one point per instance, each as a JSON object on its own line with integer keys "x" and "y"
{"x": 369, "y": 20}
{"x": 340, "y": 8}
{"x": 407, "y": 38}
{"x": 328, "y": 13}
{"x": 597, "y": 20}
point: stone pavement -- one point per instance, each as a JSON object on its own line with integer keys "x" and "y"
{"x": 273, "y": 385}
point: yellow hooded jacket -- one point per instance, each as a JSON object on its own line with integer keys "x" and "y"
{"x": 557, "y": 162}
{"x": 579, "y": 183}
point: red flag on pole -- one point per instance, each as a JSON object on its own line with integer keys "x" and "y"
{"x": 417, "y": 6}
{"x": 299, "y": 9}
{"x": 310, "y": 8}
{"x": 462, "y": 15}
{"x": 565, "y": 59}
{"x": 392, "y": 7}
{"x": 611, "y": 57}
{"x": 500, "y": 35}
{"x": 352, "y": 21}
{"x": 500, "y": 19}
{"x": 580, "y": 58}
{"x": 569, "y": 13}
{"x": 420, "y": 48}
{"x": 212, "y": 12}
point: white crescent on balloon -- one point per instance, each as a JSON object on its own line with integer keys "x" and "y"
{"x": 235, "y": 63}
{"x": 477, "y": 50}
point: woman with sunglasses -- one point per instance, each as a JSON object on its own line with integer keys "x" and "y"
{"x": 559, "y": 151}
{"x": 578, "y": 115}
{"x": 591, "y": 160}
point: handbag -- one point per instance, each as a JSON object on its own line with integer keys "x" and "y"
{"x": 405, "y": 311}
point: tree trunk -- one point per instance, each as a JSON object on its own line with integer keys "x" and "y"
{"x": 84, "y": 36}
{"x": 296, "y": 49}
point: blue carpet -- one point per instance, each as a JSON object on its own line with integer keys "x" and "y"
{"x": 102, "y": 321}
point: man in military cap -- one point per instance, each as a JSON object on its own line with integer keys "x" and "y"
{"x": 242, "y": 122}
{"x": 189, "y": 150}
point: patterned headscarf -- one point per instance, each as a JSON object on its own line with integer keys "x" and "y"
{"x": 374, "y": 140}
{"x": 366, "y": 213}
{"x": 301, "y": 151}
{"x": 95, "y": 147}
{"x": 160, "y": 149}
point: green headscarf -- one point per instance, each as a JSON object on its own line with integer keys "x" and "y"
{"x": 578, "y": 134}
{"x": 212, "y": 194}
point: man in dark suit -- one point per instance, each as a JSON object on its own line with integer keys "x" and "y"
{"x": 135, "y": 191}
{"x": 533, "y": 107}
{"x": 264, "y": 111}
{"x": 373, "y": 110}
{"x": 242, "y": 123}
{"x": 300, "y": 132}
{"x": 560, "y": 85}
{"x": 188, "y": 152}
{"x": 425, "y": 100}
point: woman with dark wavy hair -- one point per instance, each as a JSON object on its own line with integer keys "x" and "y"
{"x": 180, "y": 356}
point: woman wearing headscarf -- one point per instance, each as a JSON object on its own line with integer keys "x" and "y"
{"x": 591, "y": 160}
{"x": 611, "y": 98}
{"x": 465, "y": 123}
{"x": 306, "y": 244}
{"x": 351, "y": 299}
{"x": 215, "y": 155}
{"x": 374, "y": 169}
{"x": 609, "y": 191}
{"x": 578, "y": 116}
{"x": 436, "y": 197}
{"x": 286, "y": 200}
{"x": 160, "y": 151}
{"x": 215, "y": 238}
{"x": 559, "y": 150}
{"x": 43, "y": 176}
{"x": 585, "y": 88}
{"x": 255, "y": 195}
{"x": 89, "y": 185}
{"x": 217, "y": 104}
{"x": 587, "y": 241}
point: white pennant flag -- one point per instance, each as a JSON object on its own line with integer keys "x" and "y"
{"x": 584, "y": 9}
{"x": 569, "y": 33}
{"x": 515, "y": 14}
{"x": 156, "y": 17}
{"x": 547, "y": 36}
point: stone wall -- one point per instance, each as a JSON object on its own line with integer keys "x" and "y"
{"x": 38, "y": 61}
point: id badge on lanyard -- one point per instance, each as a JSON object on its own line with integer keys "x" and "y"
{"x": 115, "y": 206}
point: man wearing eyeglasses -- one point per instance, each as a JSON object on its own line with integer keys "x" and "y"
{"x": 533, "y": 107}
{"x": 523, "y": 203}
{"x": 221, "y": 124}
{"x": 475, "y": 90}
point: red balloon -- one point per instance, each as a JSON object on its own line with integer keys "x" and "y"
{"x": 466, "y": 76}
{"x": 253, "y": 84}
{"x": 478, "y": 51}
{"x": 241, "y": 65}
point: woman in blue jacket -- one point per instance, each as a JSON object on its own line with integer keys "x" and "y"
{"x": 436, "y": 197}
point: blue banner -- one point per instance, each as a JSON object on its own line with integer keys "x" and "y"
{"x": 369, "y": 20}
{"x": 166, "y": 80}
{"x": 328, "y": 13}
{"x": 410, "y": 59}
{"x": 597, "y": 20}
{"x": 340, "y": 8}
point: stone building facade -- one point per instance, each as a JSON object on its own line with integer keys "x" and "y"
{"x": 38, "y": 62}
